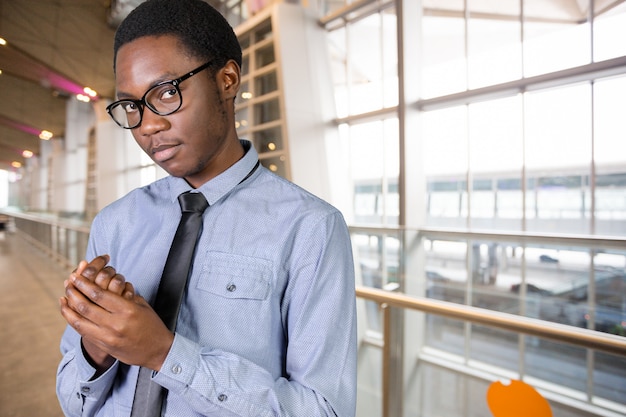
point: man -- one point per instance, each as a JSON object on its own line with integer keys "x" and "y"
{"x": 267, "y": 323}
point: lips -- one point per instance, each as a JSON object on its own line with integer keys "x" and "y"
{"x": 162, "y": 153}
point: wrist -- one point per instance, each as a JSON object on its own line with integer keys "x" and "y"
{"x": 100, "y": 360}
{"x": 159, "y": 358}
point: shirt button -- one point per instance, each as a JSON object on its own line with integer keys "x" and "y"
{"x": 85, "y": 390}
{"x": 177, "y": 369}
{"x": 222, "y": 397}
{"x": 231, "y": 288}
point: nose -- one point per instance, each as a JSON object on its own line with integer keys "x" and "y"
{"x": 152, "y": 123}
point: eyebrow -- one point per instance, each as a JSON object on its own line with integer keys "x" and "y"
{"x": 122, "y": 95}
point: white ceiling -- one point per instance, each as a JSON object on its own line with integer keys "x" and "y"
{"x": 68, "y": 37}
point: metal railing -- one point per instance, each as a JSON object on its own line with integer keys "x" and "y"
{"x": 64, "y": 240}
{"x": 520, "y": 324}
{"x": 558, "y": 332}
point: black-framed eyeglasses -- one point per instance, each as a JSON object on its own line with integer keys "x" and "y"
{"x": 163, "y": 99}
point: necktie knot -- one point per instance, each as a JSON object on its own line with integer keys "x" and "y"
{"x": 192, "y": 202}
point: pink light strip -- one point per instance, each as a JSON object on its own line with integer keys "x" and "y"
{"x": 19, "y": 126}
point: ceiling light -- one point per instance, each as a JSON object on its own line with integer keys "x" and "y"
{"x": 3, "y": 41}
{"x": 16, "y": 164}
{"x": 83, "y": 98}
{"x": 45, "y": 135}
{"x": 27, "y": 154}
{"x": 90, "y": 92}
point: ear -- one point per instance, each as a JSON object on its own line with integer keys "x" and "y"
{"x": 228, "y": 79}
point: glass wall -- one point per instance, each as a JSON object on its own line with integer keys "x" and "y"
{"x": 520, "y": 123}
{"x": 548, "y": 157}
{"x": 364, "y": 61}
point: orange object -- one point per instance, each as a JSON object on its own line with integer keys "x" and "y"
{"x": 517, "y": 399}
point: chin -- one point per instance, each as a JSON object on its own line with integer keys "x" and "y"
{"x": 174, "y": 170}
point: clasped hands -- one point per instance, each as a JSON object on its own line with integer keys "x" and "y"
{"x": 114, "y": 321}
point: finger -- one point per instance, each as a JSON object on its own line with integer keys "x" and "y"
{"x": 79, "y": 302}
{"x": 77, "y": 321}
{"x": 142, "y": 302}
{"x": 77, "y": 271}
{"x": 129, "y": 291}
{"x": 88, "y": 330}
{"x": 91, "y": 301}
{"x": 93, "y": 268}
{"x": 104, "y": 276}
{"x": 117, "y": 284}
{"x": 81, "y": 266}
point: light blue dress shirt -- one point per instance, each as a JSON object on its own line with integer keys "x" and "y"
{"x": 267, "y": 326}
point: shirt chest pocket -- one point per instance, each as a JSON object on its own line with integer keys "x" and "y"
{"x": 235, "y": 276}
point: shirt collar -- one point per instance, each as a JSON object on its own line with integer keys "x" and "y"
{"x": 222, "y": 184}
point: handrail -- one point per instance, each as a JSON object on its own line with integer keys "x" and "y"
{"x": 583, "y": 240}
{"x": 65, "y": 240}
{"x": 560, "y": 332}
{"x": 74, "y": 225}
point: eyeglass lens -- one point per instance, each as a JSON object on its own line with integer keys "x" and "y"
{"x": 162, "y": 99}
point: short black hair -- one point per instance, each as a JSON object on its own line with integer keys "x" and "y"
{"x": 203, "y": 30}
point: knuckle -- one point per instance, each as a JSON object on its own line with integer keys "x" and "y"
{"x": 95, "y": 295}
{"x": 82, "y": 308}
{"x": 105, "y": 274}
{"x": 89, "y": 271}
{"x": 76, "y": 324}
{"x": 89, "y": 289}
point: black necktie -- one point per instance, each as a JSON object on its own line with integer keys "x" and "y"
{"x": 149, "y": 395}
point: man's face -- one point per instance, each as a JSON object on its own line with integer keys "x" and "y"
{"x": 198, "y": 141}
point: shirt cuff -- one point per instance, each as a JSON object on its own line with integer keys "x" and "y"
{"x": 96, "y": 387}
{"x": 86, "y": 370}
{"x": 180, "y": 365}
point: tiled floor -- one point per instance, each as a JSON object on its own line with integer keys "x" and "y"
{"x": 30, "y": 285}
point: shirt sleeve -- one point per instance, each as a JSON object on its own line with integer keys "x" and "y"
{"x": 320, "y": 362}
{"x": 78, "y": 394}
